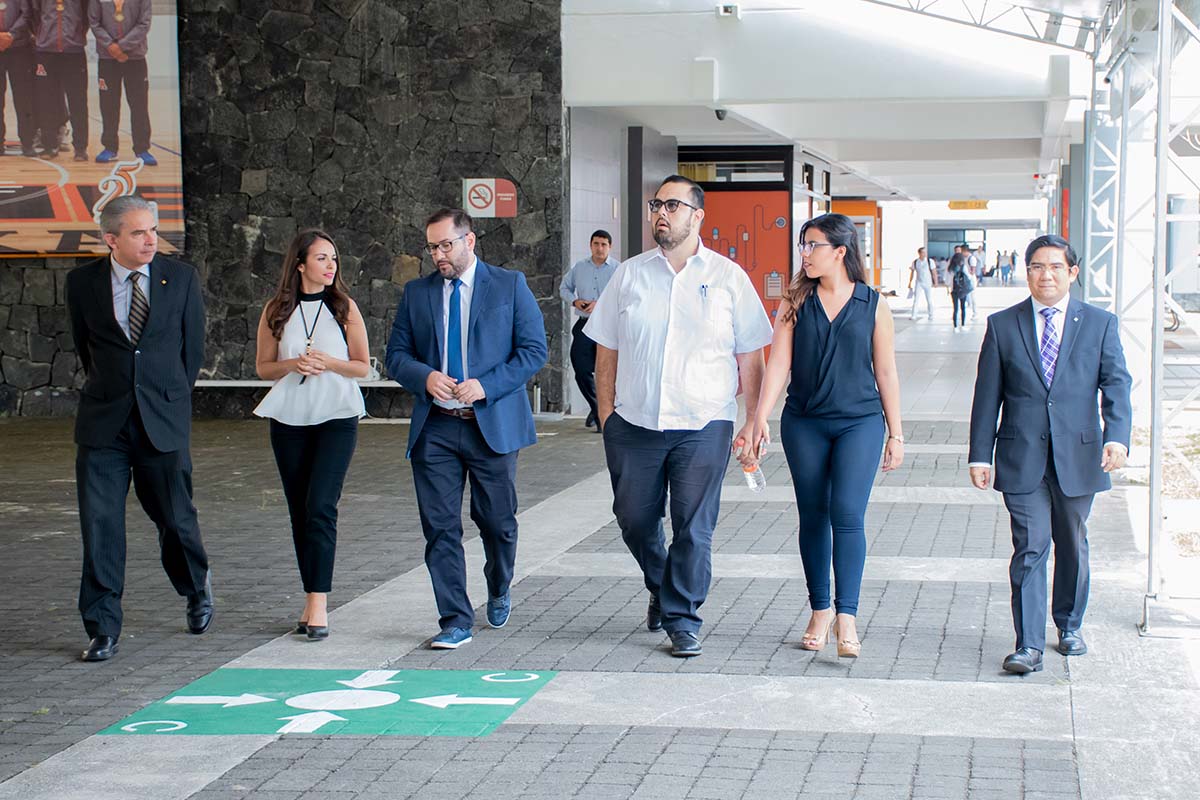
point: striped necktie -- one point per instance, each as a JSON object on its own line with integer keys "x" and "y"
{"x": 139, "y": 309}
{"x": 1049, "y": 347}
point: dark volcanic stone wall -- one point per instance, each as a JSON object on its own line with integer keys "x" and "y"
{"x": 357, "y": 116}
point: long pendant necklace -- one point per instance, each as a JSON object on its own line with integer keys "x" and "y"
{"x": 309, "y": 332}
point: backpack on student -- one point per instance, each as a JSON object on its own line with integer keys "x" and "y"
{"x": 960, "y": 283}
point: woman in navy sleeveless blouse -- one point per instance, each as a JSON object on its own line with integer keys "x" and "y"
{"x": 838, "y": 342}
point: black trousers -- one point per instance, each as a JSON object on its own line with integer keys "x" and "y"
{"x": 1038, "y": 519}
{"x": 448, "y": 452}
{"x": 583, "y": 362}
{"x": 16, "y": 68}
{"x": 133, "y": 76}
{"x": 163, "y": 484}
{"x": 313, "y": 461}
{"x": 644, "y": 465}
{"x": 59, "y": 74}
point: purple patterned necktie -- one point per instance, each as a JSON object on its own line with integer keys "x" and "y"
{"x": 1049, "y": 348}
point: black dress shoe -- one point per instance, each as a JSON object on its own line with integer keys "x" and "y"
{"x": 301, "y": 628}
{"x": 317, "y": 632}
{"x": 102, "y": 648}
{"x": 1070, "y": 643}
{"x": 685, "y": 644}
{"x": 591, "y": 420}
{"x": 1026, "y": 659}
{"x": 200, "y": 607}
{"x": 654, "y": 614}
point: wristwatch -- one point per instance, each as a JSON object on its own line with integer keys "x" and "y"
{"x": 899, "y": 439}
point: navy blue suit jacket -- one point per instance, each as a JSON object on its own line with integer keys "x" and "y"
{"x": 506, "y": 346}
{"x": 1010, "y": 385}
{"x": 158, "y": 374}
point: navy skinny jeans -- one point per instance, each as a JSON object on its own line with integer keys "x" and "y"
{"x": 833, "y": 464}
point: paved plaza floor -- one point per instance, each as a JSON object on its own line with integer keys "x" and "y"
{"x": 574, "y": 698}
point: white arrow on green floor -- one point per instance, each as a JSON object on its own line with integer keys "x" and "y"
{"x": 372, "y": 677}
{"x": 310, "y": 722}
{"x": 445, "y": 700}
{"x": 218, "y": 700}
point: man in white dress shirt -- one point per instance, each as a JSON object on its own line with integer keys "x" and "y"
{"x": 677, "y": 328}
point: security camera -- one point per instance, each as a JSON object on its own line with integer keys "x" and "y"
{"x": 721, "y": 113}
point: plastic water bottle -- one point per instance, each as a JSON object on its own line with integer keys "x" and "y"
{"x": 755, "y": 479}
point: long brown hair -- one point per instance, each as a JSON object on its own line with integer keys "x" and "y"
{"x": 840, "y": 232}
{"x": 287, "y": 294}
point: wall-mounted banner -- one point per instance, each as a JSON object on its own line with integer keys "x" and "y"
{"x": 968, "y": 205}
{"x": 489, "y": 197}
{"x": 93, "y": 114}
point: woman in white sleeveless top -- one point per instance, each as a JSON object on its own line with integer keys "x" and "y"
{"x": 312, "y": 342}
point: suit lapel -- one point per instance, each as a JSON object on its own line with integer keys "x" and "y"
{"x": 1029, "y": 337}
{"x": 479, "y": 292}
{"x": 1074, "y": 309}
{"x": 435, "y": 312}
{"x": 104, "y": 298}
{"x": 157, "y": 288}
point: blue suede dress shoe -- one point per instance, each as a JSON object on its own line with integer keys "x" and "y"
{"x": 498, "y": 609}
{"x": 450, "y": 639}
{"x": 147, "y": 159}
{"x": 1071, "y": 643}
{"x": 106, "y": 156}
{"x": 1025, "y": 660}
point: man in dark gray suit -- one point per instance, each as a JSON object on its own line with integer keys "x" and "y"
{"x": 1043, "y": 363}
{"x": 138, "y": 323}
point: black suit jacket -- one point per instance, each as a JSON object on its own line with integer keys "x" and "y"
{"x": 1087, "y": 405}
{"x": 158, "y": 374}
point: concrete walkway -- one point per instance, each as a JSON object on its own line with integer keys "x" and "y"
{"x": 926, "y": 711}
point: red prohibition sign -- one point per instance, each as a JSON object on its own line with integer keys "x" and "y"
{"x": 479, "y": 196}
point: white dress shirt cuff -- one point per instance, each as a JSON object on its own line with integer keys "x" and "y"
{"x": 979, "y": 464}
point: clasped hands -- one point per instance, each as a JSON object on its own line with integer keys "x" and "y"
{"x": 442, "y": 387}
{"x": 116, "y": 52}
{"x": 313, "y": 362}
{"x": 584, "y": 306}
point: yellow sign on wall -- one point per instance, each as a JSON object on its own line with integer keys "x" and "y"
{"x": 968, "y": 205}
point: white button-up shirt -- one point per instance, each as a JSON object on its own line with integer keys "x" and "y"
{"x": 1060, "y": 320}
{"x": 464, "y": 299}
{"x": 677, "y": 336}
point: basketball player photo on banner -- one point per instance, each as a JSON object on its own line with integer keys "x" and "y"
{"x": 92, "y": 113}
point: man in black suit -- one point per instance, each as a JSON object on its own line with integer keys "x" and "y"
{"x": 138, "y": 323}
{"x": 1044, "y": 362}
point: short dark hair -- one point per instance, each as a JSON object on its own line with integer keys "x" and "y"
{"x": 461, "y": 219}
{"x": 696, "y": 191}
{"x": 601, "y": 234}
{"x": 1057, "y": 242}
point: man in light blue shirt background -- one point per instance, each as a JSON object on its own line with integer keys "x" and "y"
{"x": 581, "y": 287}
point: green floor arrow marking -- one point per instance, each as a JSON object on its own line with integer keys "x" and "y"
{"x": 413, "y": 702}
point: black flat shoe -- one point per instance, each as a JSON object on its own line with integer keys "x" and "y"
{"x": 685, "y": 644}
{"x": 1071, "y": 643}
{"x": 1025, "y": 660}
{"x": 317, "y": 632}
{"x": 200, "y": 607}
{"x": 301, "y": 628}
{"x": 101, "y": 648}
{"x": 654, "y": 614}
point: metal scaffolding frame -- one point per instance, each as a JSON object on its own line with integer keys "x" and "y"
{"x": 1131, "y": 112}
{"x": 1013, "y": 19}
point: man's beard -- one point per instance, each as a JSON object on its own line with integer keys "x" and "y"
{"x": 670, "y": 238}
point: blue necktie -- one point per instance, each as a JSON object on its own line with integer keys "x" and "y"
{"x": 454, "y": 364}
{"x": 1049, "y": 346}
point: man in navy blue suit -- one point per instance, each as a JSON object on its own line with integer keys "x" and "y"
{"x": 466, "y": 340}
{"x": 1053, "y": 370}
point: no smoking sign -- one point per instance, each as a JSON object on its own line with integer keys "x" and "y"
{"x": 489, "y": 197}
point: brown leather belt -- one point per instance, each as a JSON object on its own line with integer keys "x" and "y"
{"x": 461, "y": 413}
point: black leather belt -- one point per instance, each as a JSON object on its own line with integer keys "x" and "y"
{"x": 461, "y": 413}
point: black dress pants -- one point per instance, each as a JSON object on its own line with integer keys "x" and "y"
{"x": 60, "y": 74}
{"x": 163, "y": 484}
{"x": 16, "y": 68}
{"x": 583, "y": 362}
{"x": 313, "y": 461}
{"x": 132, "y": 75}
